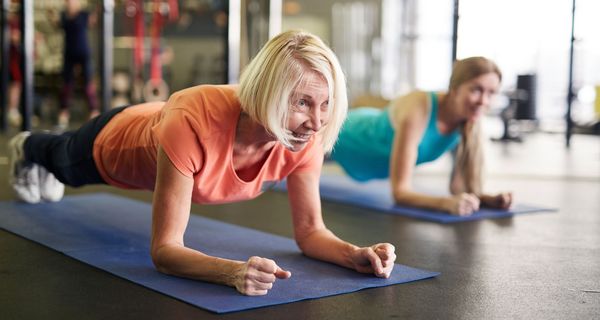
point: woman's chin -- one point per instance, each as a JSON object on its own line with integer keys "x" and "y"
{"x": 297, "y": 146}
{"x": 475, "y": 117}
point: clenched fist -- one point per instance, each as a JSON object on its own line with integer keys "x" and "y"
{"x": 463, "y": 204}
{"x": 257, "y": 275}
{"x": 377, "y": 259}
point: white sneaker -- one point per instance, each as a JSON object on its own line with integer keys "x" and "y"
{"x": 63, "y": 120}
{"x": 14, "y": 117}
{"x": 50, "y": 188}
{"x": 23, "y": 177}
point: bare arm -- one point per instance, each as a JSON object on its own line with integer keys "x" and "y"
{"x": 501, "y": 200}
{"x": 170, "y": 215}
{"x": 316, "y": 241}
{"x": 93, "y": 16}
{"x": 458, "y": 188}
{"x": 412, "y": 121}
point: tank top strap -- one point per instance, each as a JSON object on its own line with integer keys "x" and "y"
{"x": 432, "y": 125}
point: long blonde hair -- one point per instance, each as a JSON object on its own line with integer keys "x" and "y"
{"x": 468, "y": 164}
{"x": 267, "y": 83}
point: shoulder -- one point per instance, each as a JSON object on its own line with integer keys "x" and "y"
{"x": 207, "y": 95}
{"x": 411, "y": 108}
{"x": 211, "y": 106}
{"x": 207, "y": 90}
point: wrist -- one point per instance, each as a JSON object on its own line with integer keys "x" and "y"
{"x": 351, "y": 253}
{"x": 447, "y": 204}
{"x": 485, "y": 200}
{"x": 234, "y": 273}
{"x": 226, "y": 272}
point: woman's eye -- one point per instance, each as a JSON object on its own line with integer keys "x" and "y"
{"x": 302, "y": 103}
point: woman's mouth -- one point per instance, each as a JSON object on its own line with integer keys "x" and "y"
{"x": 300, "y": 137}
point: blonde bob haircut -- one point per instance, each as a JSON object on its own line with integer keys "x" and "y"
{"x": 268, "y": 83}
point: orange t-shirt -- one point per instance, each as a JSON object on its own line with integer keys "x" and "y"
{"x": 196, "y": 129}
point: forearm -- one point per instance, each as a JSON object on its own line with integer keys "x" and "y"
{"x": 322, "y": 244}
{"x": 415, "y": 199}
{"x": 188, "y": 263}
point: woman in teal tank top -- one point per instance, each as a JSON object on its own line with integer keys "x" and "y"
{"x": 420, "y": 127}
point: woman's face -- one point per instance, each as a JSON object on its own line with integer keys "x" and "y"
{"x": 308, "y": 113}
{"x": 474, "y": 96}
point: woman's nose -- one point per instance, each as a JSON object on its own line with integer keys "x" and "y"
{"x": 315, "y": 119}
{"x": 484, "y": 99}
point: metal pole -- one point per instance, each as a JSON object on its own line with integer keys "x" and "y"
{"x": 4, "y": 52}
{"x": 233, "y": 41}
{"x": 275, "y": 16}
{"x": 105, "y": 53}
{"x": 570, "y": 94}
{"x": 455, "y": 31}
{"x": 27, "y": 62}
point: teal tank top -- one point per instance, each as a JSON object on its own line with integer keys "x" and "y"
{"x": 364, "y": 145}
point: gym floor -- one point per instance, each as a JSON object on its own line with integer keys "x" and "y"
{"x": 532, "y": 266}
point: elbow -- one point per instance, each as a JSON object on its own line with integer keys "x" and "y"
{"x": 303, "y": 250}
{"x": 158, "y": 259}
{"x": 401, "y": 196}
{"x": 304, "y": 240}
{"x": 301, "y": 242}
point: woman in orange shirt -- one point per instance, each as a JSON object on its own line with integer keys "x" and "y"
{"x": 215, "y": 144}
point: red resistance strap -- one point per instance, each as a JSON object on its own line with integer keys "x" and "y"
{"x": 138, "y": 46}
{"x": 158, "y": 22}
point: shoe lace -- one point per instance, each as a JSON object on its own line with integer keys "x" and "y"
{"x": 24, "y": 174}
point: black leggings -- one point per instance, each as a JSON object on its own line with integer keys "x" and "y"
{"x": 69, "y": 156}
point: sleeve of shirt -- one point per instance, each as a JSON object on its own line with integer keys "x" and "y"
{"x": 178, "y": 135}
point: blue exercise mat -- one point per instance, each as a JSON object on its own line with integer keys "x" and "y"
{"x": 375, "y": 194}
{"x": 113, "y": 233}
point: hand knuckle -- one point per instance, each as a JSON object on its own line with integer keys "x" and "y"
{"x": 247, "y": 286}
{"x": 254, "y": 260}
